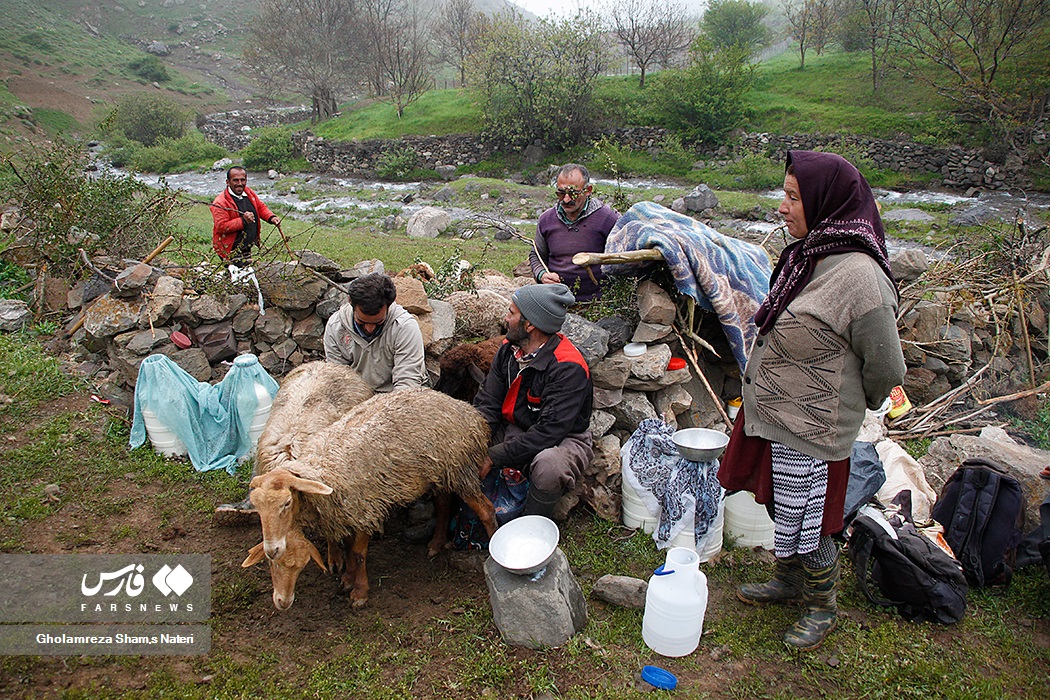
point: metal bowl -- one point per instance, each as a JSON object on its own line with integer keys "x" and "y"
{"x": 524, "y": 545}
{"x": 700, "y": 444}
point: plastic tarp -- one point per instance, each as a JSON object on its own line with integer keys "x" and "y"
{"x": 212, "y": 420}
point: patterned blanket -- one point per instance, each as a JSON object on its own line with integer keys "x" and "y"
{"x": 722, "y": 274}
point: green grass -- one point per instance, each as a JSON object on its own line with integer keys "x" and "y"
{"x": 437, "y": 112}
{"x": 834, "y": 95}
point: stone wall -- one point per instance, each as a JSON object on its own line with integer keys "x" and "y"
{"x": 361, "y": 158}
{"x": 233, "y": 130}
{"x": 956, "y": 167}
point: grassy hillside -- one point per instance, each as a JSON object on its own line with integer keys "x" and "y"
{"x": 59, "y": 70}
{"x": 834, "y": 95}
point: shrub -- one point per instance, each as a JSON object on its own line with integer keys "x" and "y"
{"x": 146, "y": 118}
{"x": 171, "y": 155}
{"x": 706, "y": 100}
{"x": 116, "y": 216}
{"x": 535, "y": 81}
{"x": 269, "y": 148}
{"x": 150, "y": 68}
{"x": 396, "y": 162}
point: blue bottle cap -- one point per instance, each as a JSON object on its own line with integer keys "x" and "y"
{"x": 659, "y": 678}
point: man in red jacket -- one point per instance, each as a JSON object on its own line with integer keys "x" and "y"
{"x": 237, "y": 212}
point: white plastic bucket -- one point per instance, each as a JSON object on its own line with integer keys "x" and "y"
{"x": 164, "y": 441}
{"x": 747, "y": 523}
{"x": 675, "y": 604}
{"x": 711, "y": 543}
{"x": 635, "y": 514}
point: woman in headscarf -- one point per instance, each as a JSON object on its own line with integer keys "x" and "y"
{"x": 827, "y": 349}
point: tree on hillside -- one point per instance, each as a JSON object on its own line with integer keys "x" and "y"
{"x": 705, "y": 100}
{"x": 649, "y": 30}
{"x": 398, "y": 50}
{"x": 877, "y": 25}
{"x": 800, "y": 19}
{"x": 310, "y": 45}
{"x": 994, "y": 53}
{"x": 457, "y": 34}
{"x": 826, "y": 14}
{"x": 535, "y": 81}
{"x": 736, "y": 23}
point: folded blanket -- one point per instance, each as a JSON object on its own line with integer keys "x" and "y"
{"x": 722, "y": 274}
{"x": 670, "y": 485}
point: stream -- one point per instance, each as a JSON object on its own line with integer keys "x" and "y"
{"x": 343, "y": 195}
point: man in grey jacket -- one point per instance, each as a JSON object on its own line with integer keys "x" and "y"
{"x": 376, "y": 337}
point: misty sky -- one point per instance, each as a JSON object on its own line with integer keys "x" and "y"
{"x": 542, "y": 8}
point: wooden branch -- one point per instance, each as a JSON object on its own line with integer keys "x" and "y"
{"x": 628, "y": 256}
{"x": 1045, "y": 386}
{"x": 700, "y": 373}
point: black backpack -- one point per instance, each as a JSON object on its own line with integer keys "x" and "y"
{"x": 982, "y": 511}
{"x": 918, "y": 578}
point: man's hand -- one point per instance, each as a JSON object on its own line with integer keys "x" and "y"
{"x": 248, "y": 216}
{"x": 550, "y": 278}
{"x": 485, "y": 467}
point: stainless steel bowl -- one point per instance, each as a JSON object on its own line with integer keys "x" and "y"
{"x": 700, "y": 444}
{"x": 524, "y": 545}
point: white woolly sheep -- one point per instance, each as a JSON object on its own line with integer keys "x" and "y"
{"x": 312, "y": 397}
{"x": 387, "y": 452}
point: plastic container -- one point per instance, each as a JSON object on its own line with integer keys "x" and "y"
{"x": 747, "y": 523}
{"x": 733, "y": 407}
{"x": 262, "y": 410}
{"x": 165, "y": 442}
{"x": 675, "y": 604}
{"x": 635, "y": 514}
{"x": 899, "y": 402}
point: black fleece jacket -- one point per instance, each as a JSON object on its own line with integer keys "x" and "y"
{"x": 549, "y": 399}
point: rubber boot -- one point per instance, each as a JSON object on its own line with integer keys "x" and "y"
{"x": 819, "y": 591}
{"x": 540, "y": 502}
{"x": 784, "y": 587}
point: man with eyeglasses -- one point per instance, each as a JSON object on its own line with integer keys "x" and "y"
{"x": 376, "y": 337}
{"x": 577, "y": 223}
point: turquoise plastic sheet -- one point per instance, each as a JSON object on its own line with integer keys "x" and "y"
{"x": 213, "y": 421}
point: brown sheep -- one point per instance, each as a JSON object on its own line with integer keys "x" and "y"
{"x": 387, "y": 452}
{"x": 464, "y": 366}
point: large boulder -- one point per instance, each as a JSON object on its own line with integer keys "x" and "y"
{"x": 15, "y": 315}
{"x": 428, "y": 222}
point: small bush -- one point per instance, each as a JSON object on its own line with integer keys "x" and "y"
{"x": 270, "y": 148}
{"x": 397, "y": 162}
{"x": 150, "y": 68}
{"x": 171, "y": 155}
{"x": 146, "y": 118}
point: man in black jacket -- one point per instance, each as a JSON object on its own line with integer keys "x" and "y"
{"x": 537, "y": 398}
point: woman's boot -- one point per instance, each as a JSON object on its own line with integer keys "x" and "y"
{"x": 819, "y": 592}
{"x": 785, "y": 586}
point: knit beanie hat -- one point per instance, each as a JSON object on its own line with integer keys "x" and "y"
{"x": 544, "y": 305}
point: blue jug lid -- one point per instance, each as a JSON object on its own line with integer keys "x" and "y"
{"x": 659, "y": 678}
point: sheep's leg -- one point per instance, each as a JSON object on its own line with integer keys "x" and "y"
{"x": 359, "y": 594}
{"x": 483, "y": 508}
{"x": 346, "y": 580}
{"x": 336, "y": 558}
{"x": 442, "y": 516}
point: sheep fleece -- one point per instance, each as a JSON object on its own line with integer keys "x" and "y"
{"x": 389, "y": 451}
{"x": 312, "y": 397}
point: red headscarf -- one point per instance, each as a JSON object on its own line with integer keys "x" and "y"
{"x": 841, "y": 216}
